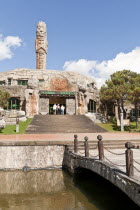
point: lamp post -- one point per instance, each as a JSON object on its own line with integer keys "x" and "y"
{"x": 17, "y": 124}
{"x": 121, "y": 119}
{"x": 137, "y": 115}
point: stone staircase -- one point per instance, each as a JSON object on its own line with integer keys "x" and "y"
{"x": 63, "y": 124}
{"x": 93, "y": 117}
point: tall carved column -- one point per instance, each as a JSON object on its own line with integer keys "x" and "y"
{"x": 41, "y": 45}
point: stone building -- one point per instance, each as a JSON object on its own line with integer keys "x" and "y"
{"x": 36, "y": 90}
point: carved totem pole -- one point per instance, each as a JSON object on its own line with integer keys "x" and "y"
{"x": 41, "y": 45}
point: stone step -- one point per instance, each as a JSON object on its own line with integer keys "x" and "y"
{"x": 63, "y": 124}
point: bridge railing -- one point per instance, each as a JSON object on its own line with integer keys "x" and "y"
{"x": 130, "y": 161}
{"x": 100, "y": 150}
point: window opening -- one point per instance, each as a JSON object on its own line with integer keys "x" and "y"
{"x": 22, "y": 82}
{"x": 92, "y": 106}
{"x": 13, "y": 103}
{"x": 9, "y": 81}
{"x": 2, "y": 82}
{"x": 41, "y": 80}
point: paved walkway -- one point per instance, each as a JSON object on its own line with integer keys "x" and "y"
{"x": 69, "y": 136}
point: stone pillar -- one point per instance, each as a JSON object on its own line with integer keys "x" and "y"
{"x": 32, "y": 102}
{"x": 21, "y": 102}
{"x": 76, "y": 104}
{"x": 41, "y": 45}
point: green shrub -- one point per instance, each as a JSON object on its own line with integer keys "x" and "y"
{"x": 113, "y": 120}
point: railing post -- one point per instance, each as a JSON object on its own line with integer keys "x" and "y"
{"x": 75, "y": 144}
{"x": 66, "y": 148}
{"x": 100, "y": 147}
{"x": 86, "y": 147}
{"x": 129, "y": 159}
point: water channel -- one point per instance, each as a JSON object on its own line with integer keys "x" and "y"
{"x": 57, "y": 190}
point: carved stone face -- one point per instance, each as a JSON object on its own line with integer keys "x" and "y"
{"x": 41, "y": 30}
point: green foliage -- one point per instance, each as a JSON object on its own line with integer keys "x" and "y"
{"x": 123, "y": 86}
{"x": 118, "y": 87}
{"x": 118, "y": 128}
{"x": 113, "y": 120}
{"x": 11, "y": 129}
{"x": 14, "y": 106}
{"x": 4, "y": 96}
{"x": 114, "y": 128}
{"x": 134, "y": 94}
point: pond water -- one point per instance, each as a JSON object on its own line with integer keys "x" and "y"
{"x": 56, "y": 189}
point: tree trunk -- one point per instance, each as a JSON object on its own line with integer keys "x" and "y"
{"x": 124, "y": 111}
{"x": 116, "y": 112}
{"x": 106, "y": 111}
{"x": 119, "y": 109}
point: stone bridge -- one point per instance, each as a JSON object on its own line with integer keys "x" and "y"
{"x": 73, "y": 161}
{"x": 108, "y": 158}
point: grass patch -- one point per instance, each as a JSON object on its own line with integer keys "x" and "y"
{"x": 11, "y": 129}
{"x": 113, "y": 128}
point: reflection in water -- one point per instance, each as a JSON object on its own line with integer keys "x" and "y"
{"x": 52, "y": 190}
{"x": 40, "y": 181}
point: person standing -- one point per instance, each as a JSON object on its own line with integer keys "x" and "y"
{"x": 54, "y": 109}
{"x": 62, "y": 110}
{"x": 58, "y": 106}
{"x": 57, "y": 109}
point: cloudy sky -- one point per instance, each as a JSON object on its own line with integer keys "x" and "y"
{"x": 92, "y": 37}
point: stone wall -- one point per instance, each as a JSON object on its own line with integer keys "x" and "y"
{"x": 15, "y": 90}
{"x": 10, "y": 116}
{"x": 34, "y": 157}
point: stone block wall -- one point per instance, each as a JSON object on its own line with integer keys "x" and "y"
{"x": 9, "y": 116}
{"x": 33, "y": 157}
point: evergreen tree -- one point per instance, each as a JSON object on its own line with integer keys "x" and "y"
{"x": 123, "y": 86}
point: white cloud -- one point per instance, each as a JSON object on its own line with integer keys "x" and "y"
{"x": 101, "y": 71}
{"x": 6, "y": 45}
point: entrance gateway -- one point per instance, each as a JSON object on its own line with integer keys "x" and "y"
{"x": 48, "y": 98}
